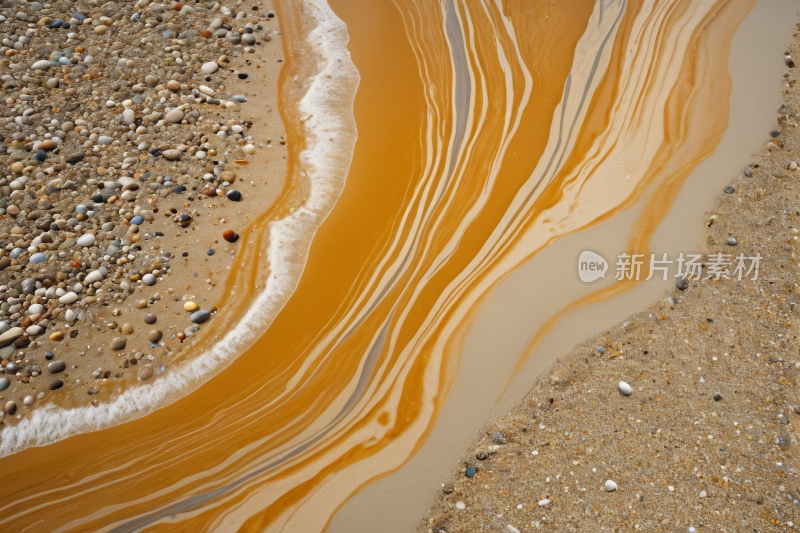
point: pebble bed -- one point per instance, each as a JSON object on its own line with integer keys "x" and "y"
{"x": 682, "y": 418}
{"x": 116, "y": 118}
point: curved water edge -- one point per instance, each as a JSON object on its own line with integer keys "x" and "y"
{"x": 320, "y": 171}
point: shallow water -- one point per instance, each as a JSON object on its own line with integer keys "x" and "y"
{"x": 485, "y": 131}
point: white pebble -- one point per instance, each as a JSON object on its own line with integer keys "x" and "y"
{"x": 511, "y": 529}
{"x": 86, "y": 240}
{"x": 68, "y": 298}
{"x": 545, "y": 502}
{"x": 610, "y": 486}
{"x": 461, "y": 505}
{"x": 70, "y": 315}
{"x": 210, "y": 67}
{"x": 624, "y": 388}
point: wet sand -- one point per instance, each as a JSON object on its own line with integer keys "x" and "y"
{"x": 519, "y": 309}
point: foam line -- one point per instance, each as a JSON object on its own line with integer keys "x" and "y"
{"x": 324, "y": 165}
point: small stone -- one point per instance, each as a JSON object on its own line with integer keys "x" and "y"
{"x": 624, "y": 388}
{"x": 70, "y": 315}
{"x": 209, "y": 68}
{"x": 792, "y": 165}
{"x": 57, "y": 336}
{"x": 171, "y": 155}
{"x": 174, "y": 116}
{"x": 730, "y": 190}
{"x": 470, "y": 472}
{"x": 149, "y": 318}
{"x": 610, "y": 486}
{"x": 511, "y": 529}
{"x": 682, "y": 283}
{"x": 480, "y": 456}
{"x": 461, "y": 505}
{"x": 137, "y": 221}
{"x": 601, "y": 350}
{"x": 55, "y": 385}
{"x": 230, "y": 235}
{"x": 234, "y": 195}
{"x": 10, "y": 336}
{"x": 154, "y": 336}
{"x": 210, "y": 251}
{"x": 68, "y": 298}
{"x": 200, "y": 316}
{"x": 86, "y": 240}
{"x": 4, "y": 384}
{"x": 732, "y": 241}
{"x": 188, "y": 306}
{"x": 545, "y": 502}
{"x": 448, "y": 488}
{"x": 146, "y": 372}
{"x": 56, "y": 367}
{"x": 118, "y": 343}
{"x": 141, "y": 304}
{"x": 717, "y": 397}
{"x": 28, "y": 401}
{"x": 11, "y": 408}
{"x": 149, "y": 280}
{"x": 127, "y": 329}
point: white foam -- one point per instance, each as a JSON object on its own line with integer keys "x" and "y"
{"x": 324, "y": 165}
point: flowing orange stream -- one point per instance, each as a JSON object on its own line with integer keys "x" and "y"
{"x": 449, "y": 189}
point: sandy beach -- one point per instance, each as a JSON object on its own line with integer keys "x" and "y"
{"x": 273, "y": 266}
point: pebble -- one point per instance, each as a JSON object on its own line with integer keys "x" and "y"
{"x": 11, "y": 407}
{"x": 682, "y": 283}
{"x": 4, "y": 384}
{"x": 118, "y": 343}
{"x": 461, "y": 505}
{"x": 127, "y": 328}
{"x": 601, "y": 350}
{"x": 624, "y": 388}
{"x": 86, "y": 240}
{"x": 545, "y": 502}
{"x": 732, "y": 241}
{"x": 68, "y": 298}
{"x": 210, "y": 251}
{"x": 146, "y": 372}
{"x": 234, "y": 195}
{"x": 56, "y": 367}
{"x": 199, "y": 316}
{"x": 154, "y": 336}
{"x": 55, "y": 385}
{"x": 38, "y": 258}
{"x": 210, "y": 67}
{"x": 470, "y": 472}
{"x": 730, "y": 190}
{"x": 149, "y": 279}
{"x": 149, "y": 318}
{"x": 792, "y": 165}
{"x": 229, "y": 235}
{"x": 190, "y": 306}
{"x": 511, "y": 529}
{"x": 28, "y": 401}
{"x": 610, "y": 486}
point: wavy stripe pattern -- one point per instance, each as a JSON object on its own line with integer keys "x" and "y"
{"x": 486, "y": 129}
